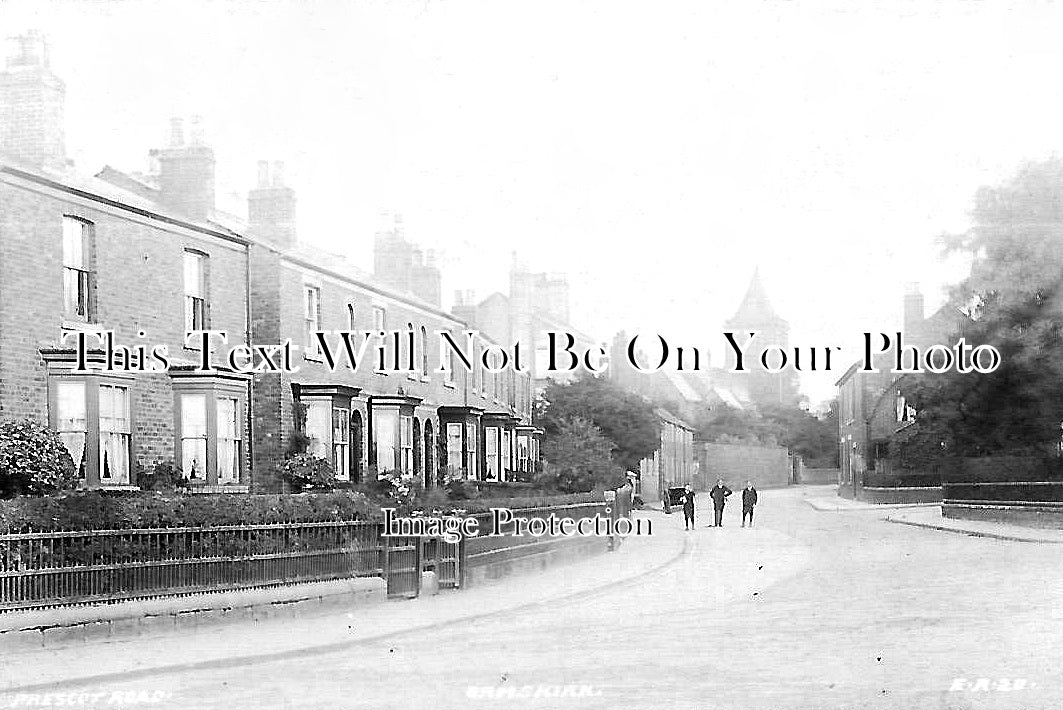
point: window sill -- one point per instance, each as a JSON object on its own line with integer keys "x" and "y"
{"x": 451, "y": 385}
{"x": 313, "y": 357}
{"x": 203, "y": 488}
{"x": 82, "y": 326}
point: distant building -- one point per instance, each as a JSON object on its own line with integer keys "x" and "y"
{"x": 537, "y": 304}
{"x": 871, "y": 406}
{"x": 688, "y": 393}
{"x": 673, "y": 463}
{"x": 756, "y": 314}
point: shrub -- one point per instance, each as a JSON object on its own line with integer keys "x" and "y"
{"x": 106, "y": 510}
{"x": 33, "y": 460}
{"x": 459, "y": 489}
{"x": 305, "y": 472}
{"x": 165, "y": 477}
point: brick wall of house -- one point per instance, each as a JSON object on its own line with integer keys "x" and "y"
{"x": 277, "y": 285}
{"x": 139, "y": 287}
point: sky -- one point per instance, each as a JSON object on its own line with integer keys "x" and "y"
{"x": 655, "y": 153}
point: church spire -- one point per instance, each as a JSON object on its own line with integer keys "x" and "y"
{"x": 756, "y": 308}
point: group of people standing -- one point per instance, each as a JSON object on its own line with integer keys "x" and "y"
{"x": 719, "y": 494}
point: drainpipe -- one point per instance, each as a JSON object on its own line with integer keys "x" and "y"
{"x": 249, "y": 437}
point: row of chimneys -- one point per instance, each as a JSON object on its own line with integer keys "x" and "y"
{"x": 32, "y": 133}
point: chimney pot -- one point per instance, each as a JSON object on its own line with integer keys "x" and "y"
{"x": 278, "y": 173}
{"x": 196, "y": 131}
{"x": 263, "y": 173}
{"x": 177, "y": 132}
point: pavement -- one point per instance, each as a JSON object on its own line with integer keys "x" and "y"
{"x": 928, "y": 515}
{"x": 216, "y": 642}
{"x": 811, "y": 609}
{"x": 836, "y": 503}
{"x": 931, "y": 518}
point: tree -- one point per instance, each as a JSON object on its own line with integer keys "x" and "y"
{"x": 625, "y": 419}
{"x": 806, "y": 434}
{"x": 729, "y": 425}
{"x": 33, "y": 460}
{"x": 1014, "y": 295}
{"x": 580, "y": 458}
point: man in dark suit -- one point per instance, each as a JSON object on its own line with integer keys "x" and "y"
{"x": 719, "y": 495}
{"x": 688, "y": 507}
{"x": 749, "y": 499}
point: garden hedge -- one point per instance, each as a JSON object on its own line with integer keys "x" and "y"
{"x": 105, "y": 510}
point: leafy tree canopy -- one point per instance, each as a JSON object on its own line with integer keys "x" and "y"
{"x": 1014, "y": 296}
{"x": 580, "y": 459}
{"x": 625, "y": 419}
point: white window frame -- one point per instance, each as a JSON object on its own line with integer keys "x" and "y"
{"x": 455, "y": 455}
{"x": 406, "y": 445}
{"x": 470, "y": 446}
{"x": 78, "y": 274}
{"x": 191, "y": 436}
{"x": 311, "y": 318}
{"x": 229, "y": 440}
{"x": 341, "y": 443}
{"x": 115, "y": 433}
{"x": 195, "y": 289}
{"x": 492, "y": 470}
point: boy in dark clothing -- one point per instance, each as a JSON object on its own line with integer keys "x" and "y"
{"x": 719, "y": 495}
{"x": 749, "y": 499}
{"x": 688, "y": 508}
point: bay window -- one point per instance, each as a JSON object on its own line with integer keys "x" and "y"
{"x": 209, "y": 418}
{"x": 92, "y": 415}
{"x": 392, "y": 433}
{"x": 327, "y": 424}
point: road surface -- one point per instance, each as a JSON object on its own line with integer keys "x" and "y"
{"x": 809, "y": 609}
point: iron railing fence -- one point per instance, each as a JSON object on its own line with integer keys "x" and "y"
{"x": 65, "y": 568}
{"x": 39, "y": 569}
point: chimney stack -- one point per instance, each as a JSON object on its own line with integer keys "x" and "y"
{"x": 913, "y": 312}
{"x": 271, "y": 207}
{"x": 31, "y": 105}
{"x": 464, "y": 308}
{"x": 186, "y": 172}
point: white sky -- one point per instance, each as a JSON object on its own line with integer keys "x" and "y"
{"x": 654, "y": 152}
